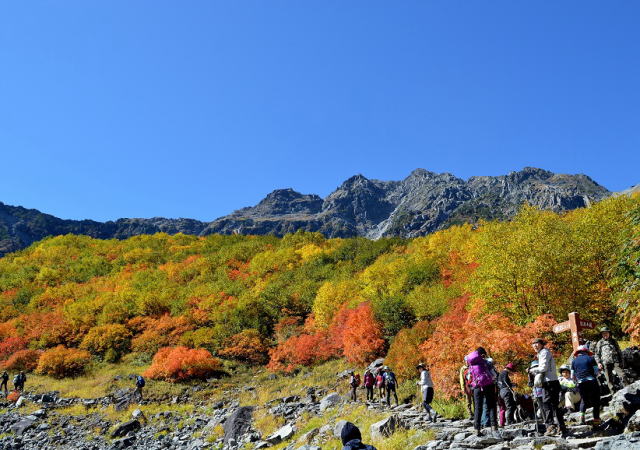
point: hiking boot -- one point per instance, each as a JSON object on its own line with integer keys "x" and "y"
{"x": 479, "y": 433}
{"x": 565, "y": 433}
{"x": 435, "y": 417}
{"x": 551, "y": 430}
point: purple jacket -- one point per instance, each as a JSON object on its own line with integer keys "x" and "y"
{"x": 481, "y": 374}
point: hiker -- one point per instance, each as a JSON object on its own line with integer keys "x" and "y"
{"x": 426, "y": 389}
{"x": 465, "y": 387}
{"x": 369, "y": 382}
{"x": 609, "y": 358}
{"x": 352, "y": 439}
{"x": 505, "y": 386}
{"x": 584, "y": 371}
{"x": 570, "y": 397}
{"x": 484, "y": 388}
{"x": 19, "y": 380}
{"x": 380, "y": 383}
{"x": 390, "y": 383}
{"x": 546, "y": 376}
{"x": 5, "y": 380}
{"x": 354, "y": 382}
{"x": 139, "y": 385}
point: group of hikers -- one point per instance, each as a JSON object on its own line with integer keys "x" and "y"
{"x": 18, "y": 382}
{"x": 490, "y": 395}
{"x": 574, "y": 388}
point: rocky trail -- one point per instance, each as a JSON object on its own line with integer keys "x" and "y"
{"x": 39, "y": 421}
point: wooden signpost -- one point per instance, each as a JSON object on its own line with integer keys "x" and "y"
{"x": 575, "y": 324}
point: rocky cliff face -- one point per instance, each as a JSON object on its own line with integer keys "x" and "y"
{"x": 421, "y": 203}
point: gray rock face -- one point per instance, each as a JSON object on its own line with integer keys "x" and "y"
{"x": 421, "y": 203}
{"x": 626, "y": 401}
{"x": 125, "y": 428}
{"x": 385, "y": 427}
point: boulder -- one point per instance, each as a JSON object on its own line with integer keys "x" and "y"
{"x": 627, "y": 441}
{"x": 634, "y": 423}
{"x": 124, "y": 442}
{"x": 309, "y": 447}
{"x": 125, "y": 428}
{"x": 282, "y": 434}
{"x": 23, "y": 425}
{"x": 238, "y": 424}
{"x": 330, "y": 400}
{"x": 385, "y": 427}
{"x": 21, "y": 401}
{"x": 626, "y": 401}
{"x": 337, "y": 430}
{"x": 377, "y": 363}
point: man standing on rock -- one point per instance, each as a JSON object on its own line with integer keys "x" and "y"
{"x": 609, "y": 358}
{"x": 426, "y": 388}
{"x": 354, "y": 382}
{"x": 484, "y": 389}
{"x": 546, "y": 370}
{"x": 505, "y": 386}
{"x": 390, "y": 383}
{"x": 369, "y": 382}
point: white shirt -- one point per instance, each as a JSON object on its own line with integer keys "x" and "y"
{"x": 546, "y": 365}
{"x": 425, "y": 380}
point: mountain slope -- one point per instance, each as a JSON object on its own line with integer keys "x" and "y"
{"x": 421, "y": 203}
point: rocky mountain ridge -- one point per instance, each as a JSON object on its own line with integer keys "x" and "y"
{"x": 421, "y": 203}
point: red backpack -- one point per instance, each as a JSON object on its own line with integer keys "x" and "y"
{"x": 356, "y": 380}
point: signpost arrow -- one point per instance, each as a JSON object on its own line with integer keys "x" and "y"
{"x": 575, "y": 324}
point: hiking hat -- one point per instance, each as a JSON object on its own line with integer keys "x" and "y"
{"x": 583, "y": 349}
{"x": 510, "y": 367}
{"x": 534, "y": 363}
{"x": 539, "y": 341}
{"x": 564, "y": 367}
{"x": 605, "y": 330}
{"x": 421, "y": 365}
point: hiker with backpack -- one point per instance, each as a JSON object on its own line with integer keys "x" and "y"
{"x": 484, "y": 389}
{"x": 369, "y": 382}
{"x": 585, "y": 371}
{"x": 19, "y": 380}
{"x": 609, "y": 359}
{"x": 465, "y": 386}
{"x": 545, "y": 376}
{"x": 354, "y": 382}
{"x": 352, "y": 438}
{"x": 390, "y": 383}
{"x": 380, "y": 384}
{"x": 140, "y": 383}
{"x": 5, "y": 380}
{"x": 426, "y": 389}
{"x": 505, "y": 390}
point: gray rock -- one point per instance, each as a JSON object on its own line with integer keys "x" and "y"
{"x": 634, "y": 423}
{"x": 125, "y": 428}
{"x": 385, "y": 427}
{"x": 21, "y": 401}
{"x": 238, "y": 424}
{"x": 23, "y": 425}
{"x": 337, "y": 430}
{"x": 626, "y": 401}
{"x": 282, "y": 434}
{"x": 330, "y": 400}
{"x": 309, "y": 447}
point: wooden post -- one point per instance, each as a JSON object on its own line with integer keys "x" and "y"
{"x": 575, "y": 324}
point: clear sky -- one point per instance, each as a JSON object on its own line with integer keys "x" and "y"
{"x": 195, "y": 108}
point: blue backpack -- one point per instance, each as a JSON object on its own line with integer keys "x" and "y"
{"x": 140, "y": 381}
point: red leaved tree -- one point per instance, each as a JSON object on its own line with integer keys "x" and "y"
{"x": 362, "y": 340}
{"x": 183, "y": 363}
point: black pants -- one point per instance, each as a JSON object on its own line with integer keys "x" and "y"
{"x": 510, "y": 405}
{"x": 4, "y": 385}
{"x": 485, "y": 397}
{"x": 354, "y": 390}
{"x": 391, "y": 388}
{"x": 369, "y": 393}
{"x": 550, "y": 401}
{"x": 427, "y": 398}
{"x": 590, "y": 397}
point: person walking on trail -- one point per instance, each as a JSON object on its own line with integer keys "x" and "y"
{"x": 465, "y": 386}
{"x": 352, "y": 439}
{"x": 570, "y": 396}
{"x": 585, "y": 371}
{"x": 390, "y": 383}
{"x": 546, "y": 375}
{"x": 484, "y": 389}
{"x": 369, "y": 383}
{"x": 5, "y": 380}
{"x": 426, "y": 389}
{"x": 609, "y": 358}
{"x": 19, "y": 380}
{"x": 140, "y": 383}
{"x": 354, "y": 382}
{"x": 380, "y": 384}
{"x": 505, "y": 390}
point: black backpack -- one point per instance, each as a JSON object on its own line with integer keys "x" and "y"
{"x": 140, "y": 381}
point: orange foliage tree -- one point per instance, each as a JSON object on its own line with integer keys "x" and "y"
{"x": 404, "y": 353}
{"x": 11, "y": 345}
{"x": 60, "y": 362}
{"x": 26, "y": 360}
{"x": 155, "y": 333}
{"x": 182, "y": 363}
{"x": 362, "y": 336}
{"x": 247, "y": 346}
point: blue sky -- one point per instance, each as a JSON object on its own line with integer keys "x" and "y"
{"x": 193, "y": 109}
